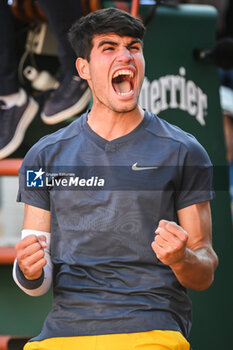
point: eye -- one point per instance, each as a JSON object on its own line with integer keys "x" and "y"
{"x": 108, "y": 48}
{"x": 134, "y": 48}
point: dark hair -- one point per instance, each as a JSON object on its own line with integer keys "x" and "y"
{"x": 109, "y": 20}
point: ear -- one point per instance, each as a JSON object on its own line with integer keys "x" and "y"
{"x": 82, "y": 67}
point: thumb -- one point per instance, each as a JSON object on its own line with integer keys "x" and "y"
{"x": 42, "y": 241}
{"x": 162, "y": 224}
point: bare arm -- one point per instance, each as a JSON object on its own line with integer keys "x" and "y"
{"x": 187, "y": 248}
{"x": 36, "y": 218}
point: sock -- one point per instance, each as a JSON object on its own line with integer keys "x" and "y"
{"x": 16, "y": 99}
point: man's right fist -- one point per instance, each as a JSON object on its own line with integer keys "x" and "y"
{"x": 30, "y": 256}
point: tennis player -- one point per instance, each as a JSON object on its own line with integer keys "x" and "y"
{"x": 122, "y": 246}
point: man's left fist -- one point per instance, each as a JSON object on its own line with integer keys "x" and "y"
{"x": 170, "y": 242}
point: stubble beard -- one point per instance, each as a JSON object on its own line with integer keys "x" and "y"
{"x": 120, "y": 110}
{"x": 126, "y": 110}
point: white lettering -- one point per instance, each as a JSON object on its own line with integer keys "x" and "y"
{"x": 101, "y": 182}
{"x": 155, "y": 105}
{"x": 174, "y": 88}
{"x": 191, "y": 98}
{"x": 182, "y": 72}
{"x": 82, "y": 182}
{"x": 164, "y": 81}
{"x": 202, "y": 106}
{"x": 49, "y": 181}
{"x": 73, "y": 181}
{"x": 64, "y": 182}
{"x": 90, "y": 181}
{"x": 144, "y": 95}
{"x": 174, "y": 92}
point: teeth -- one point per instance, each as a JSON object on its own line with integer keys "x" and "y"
{"x": 124, "y": 72}
{"x": 124, "y": 93}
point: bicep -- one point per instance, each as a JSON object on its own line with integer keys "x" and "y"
{"x": 36, "y": 218}
{"x": 196, "y": 220}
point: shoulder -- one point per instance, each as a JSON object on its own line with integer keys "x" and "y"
{"x": 163, "y": 129}
{"x": 51, "y": 144}
{"x": 188, "y": 145}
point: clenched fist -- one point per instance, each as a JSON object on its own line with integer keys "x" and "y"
{"x": 30, "y": 256}
{"x": 170, "y": 242}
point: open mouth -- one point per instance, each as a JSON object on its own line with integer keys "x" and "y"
{"x": 122, "y": 82}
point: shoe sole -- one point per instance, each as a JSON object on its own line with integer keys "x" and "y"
{"x": 26, "y": 119}
{"x": 69, "y": 112}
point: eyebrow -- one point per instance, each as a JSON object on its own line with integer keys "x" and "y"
{"x": 113, "y": 43}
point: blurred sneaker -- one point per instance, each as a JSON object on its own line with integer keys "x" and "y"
{"x": 68, "y": 100}
{"x": 14, "y": 122}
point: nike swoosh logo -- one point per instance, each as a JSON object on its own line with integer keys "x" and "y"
{"x": 136, "y": 167}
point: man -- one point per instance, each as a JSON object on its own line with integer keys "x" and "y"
{"x": 117, "y": 284}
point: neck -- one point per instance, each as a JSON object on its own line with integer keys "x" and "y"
{"x": 111, "y": 125}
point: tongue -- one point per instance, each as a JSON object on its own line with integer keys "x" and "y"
{"x": 122, "y": 87}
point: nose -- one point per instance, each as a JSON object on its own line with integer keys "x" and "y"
{"x": 124, "y": 55}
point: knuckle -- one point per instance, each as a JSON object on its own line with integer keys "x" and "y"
{"x": 17, "y": 246}
{"x": 37, "y": 246}
{"x": 153, "y": 244}
{"x": 28, "y": 240}
{"x": 184, "y": 237}
{"x": 162, "y": 231}
{"x": 179, "y": 245}
{"x": 41, "y": 254}
{"x": 32, "y": 238}
{"x": 154, "y": 247}
{"x": 163, "y": 223}
{"x": 20, "y": 255}
{"x": 170, "y": 225}
{"x": 44, "y": 261}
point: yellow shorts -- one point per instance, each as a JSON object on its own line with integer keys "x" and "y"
{"x": 152, "y": 340}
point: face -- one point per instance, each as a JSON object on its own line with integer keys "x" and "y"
{"x": 116, "y": 71}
